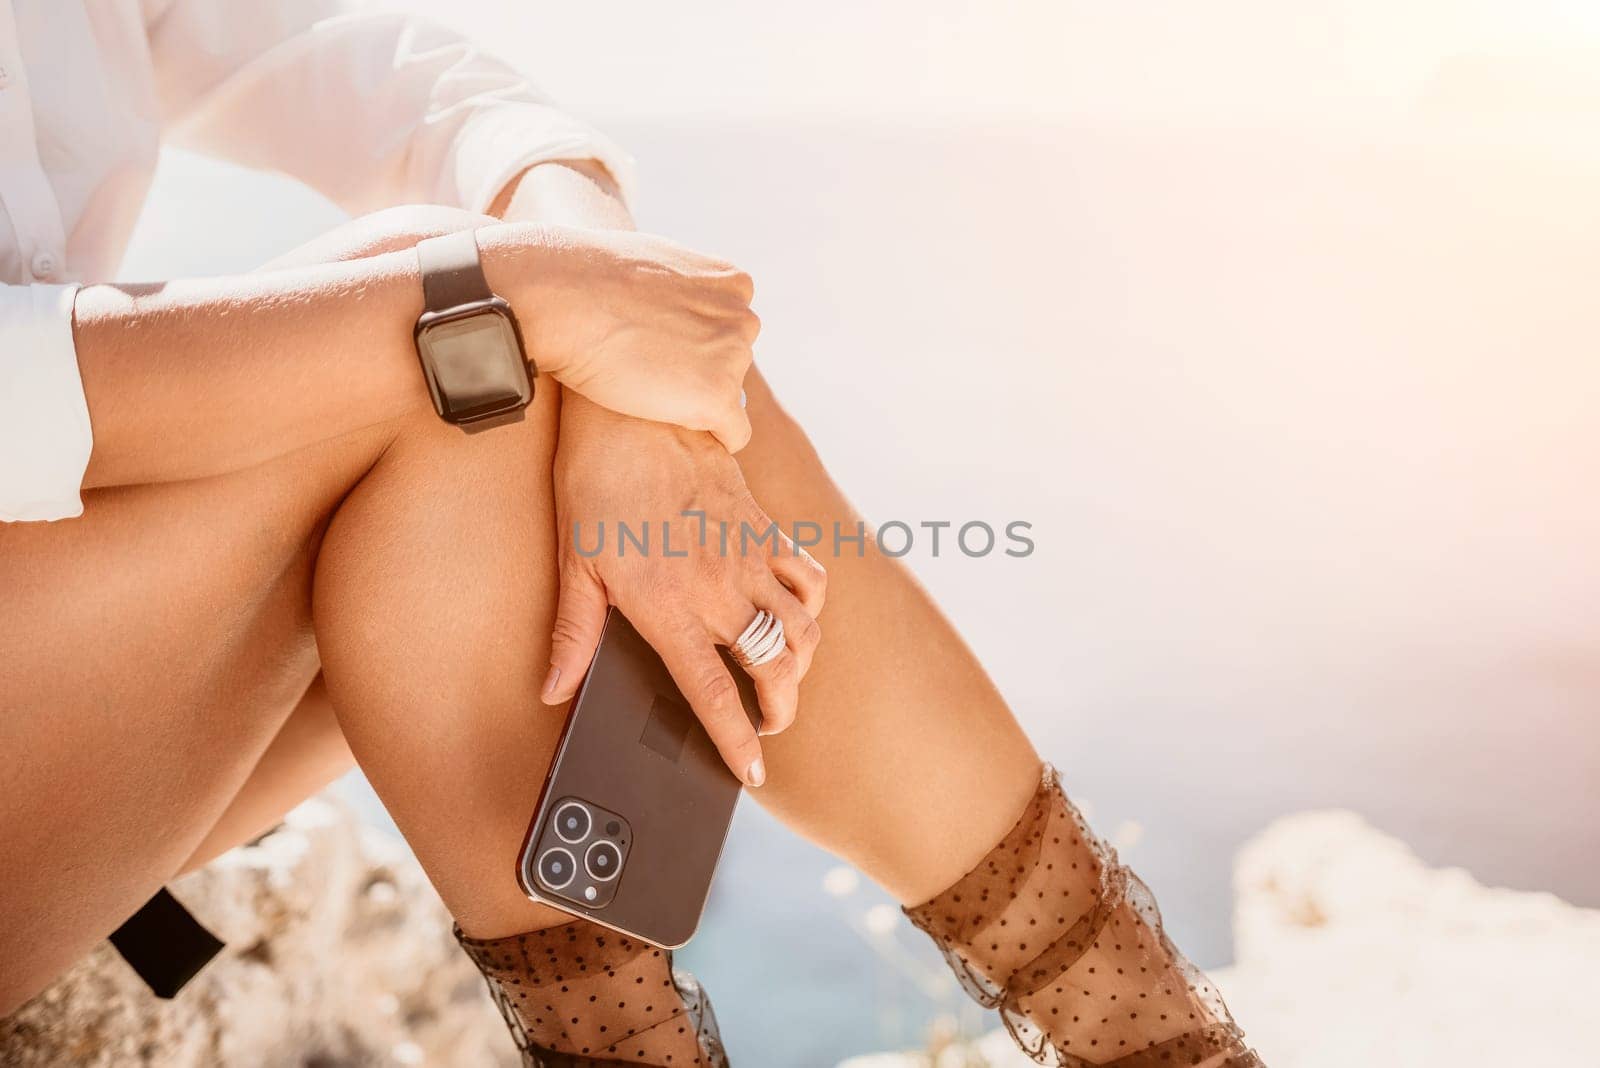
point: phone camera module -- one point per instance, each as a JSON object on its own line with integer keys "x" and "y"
{"x": 603, "y": 861}
{"x": 572, "y": 822}
{"x": 557, "y": 867}
{"x": 579, "y": 854}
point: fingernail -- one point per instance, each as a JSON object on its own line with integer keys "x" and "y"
{"x": 757, "y": 773}
{"x": 550, "y": 681}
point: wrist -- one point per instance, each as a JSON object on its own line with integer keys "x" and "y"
{"x": 525, "y": 265}
{"x": 577, "y": 194}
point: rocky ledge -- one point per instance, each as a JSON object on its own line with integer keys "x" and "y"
{"x": 1350, "y": 952}
{"x": 339, "y": 954}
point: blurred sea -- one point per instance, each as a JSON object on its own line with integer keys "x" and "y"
{"x": 1305, "y": 421}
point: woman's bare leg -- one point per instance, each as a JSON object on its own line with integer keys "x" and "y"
{"x": 307, "y": 753}
{"x": 892, "y": 720}
{"x": 129, "y": 758}
{"x": 156, "y": 647}
{"x": 152, "y": 650}
{"x": 894, "y": 724}
{"x": 904, "y": 758}
{"x": 434, "y": 598}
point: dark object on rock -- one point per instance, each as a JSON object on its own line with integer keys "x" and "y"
{"x": 165, "y": 944}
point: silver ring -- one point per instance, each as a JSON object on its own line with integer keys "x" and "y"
{"x": 761, "y": 642}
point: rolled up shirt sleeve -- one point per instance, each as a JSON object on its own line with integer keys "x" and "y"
{"x": 45, "y": 437}
{"x": 371, "y": 109}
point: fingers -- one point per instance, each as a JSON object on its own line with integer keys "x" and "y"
{"x": 580, "y": 617}
{"x": 801, "y": 631}
{"x": 800, "y": 572}
{"x": 691, "y": 658}
{"x": 791, "y": 585}
{"x": 778, "y": 689}
{"x": 778, "y": 680}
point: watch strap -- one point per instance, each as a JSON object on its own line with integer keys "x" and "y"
{"x": 452, "y": 271}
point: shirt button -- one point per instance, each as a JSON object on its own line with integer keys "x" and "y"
{"x": 5, "y": 77}
{"x": 45, "y": 266}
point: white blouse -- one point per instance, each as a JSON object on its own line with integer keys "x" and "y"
{"x": 370, "y": 109}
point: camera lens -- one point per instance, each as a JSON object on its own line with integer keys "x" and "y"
{"x": 603, "y": 860}
{"x": 556, "y": 868}
{"x": 572, "y": 822}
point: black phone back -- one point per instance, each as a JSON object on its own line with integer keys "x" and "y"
{"x": 637, "y": 802}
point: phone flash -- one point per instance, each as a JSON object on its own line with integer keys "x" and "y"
{"x": 590, "y": 893}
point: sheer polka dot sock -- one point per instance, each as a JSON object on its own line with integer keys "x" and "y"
{"x": 1067, "y": 943}
{"x": 580, "y": 995}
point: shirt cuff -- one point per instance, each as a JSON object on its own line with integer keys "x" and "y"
{"x": 45, "y": 438}
{"x": 500, "y": 142}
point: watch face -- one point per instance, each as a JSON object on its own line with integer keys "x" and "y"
{"x": 474, "y": 365}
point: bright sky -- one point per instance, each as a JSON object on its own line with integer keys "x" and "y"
{"x": 1019, "y": 58}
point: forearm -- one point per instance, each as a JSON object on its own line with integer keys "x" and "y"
{"x": 201, "y": 377}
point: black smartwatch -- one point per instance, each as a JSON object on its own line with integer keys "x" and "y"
{"x": 468, "y": 340}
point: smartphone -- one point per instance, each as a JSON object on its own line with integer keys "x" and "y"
{"x": 637, "y": 802}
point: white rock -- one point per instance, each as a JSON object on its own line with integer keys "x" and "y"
{"x": 1352, "y": 952}
{"x": 339, "y": 954}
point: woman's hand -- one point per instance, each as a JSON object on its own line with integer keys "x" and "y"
{"x": 610, "y": 469}
{"x": 633, "y": 322}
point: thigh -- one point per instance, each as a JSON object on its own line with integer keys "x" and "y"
{"x": 151, "y": 649}
{"x": 150, "y": 653}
